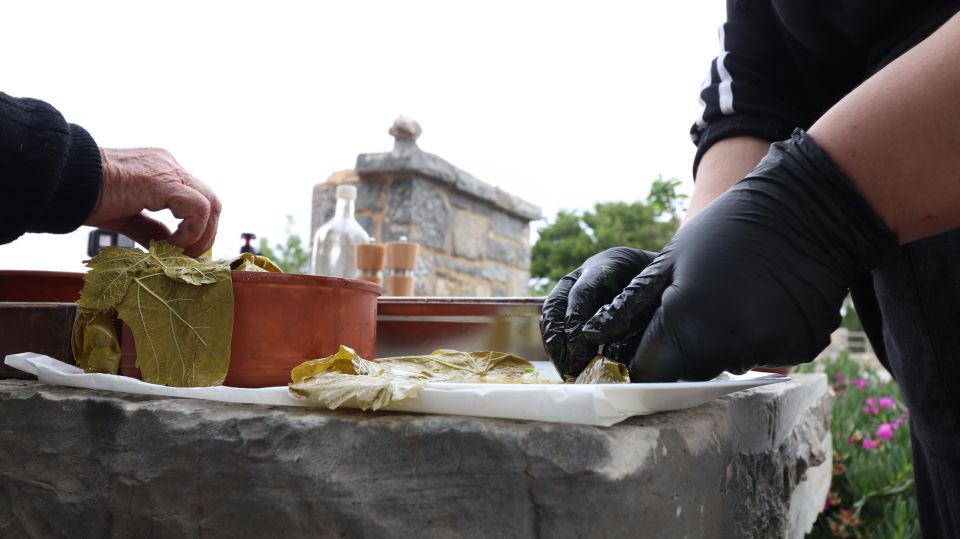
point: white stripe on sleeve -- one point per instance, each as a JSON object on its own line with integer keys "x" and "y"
{"x": 726, "y": 81}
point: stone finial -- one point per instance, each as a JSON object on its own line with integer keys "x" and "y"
{"x": 405, "y": 132}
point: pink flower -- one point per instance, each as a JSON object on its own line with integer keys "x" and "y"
{"x": 870, "y": 408}
{"x": 851, "y": 440}
{"x": 861, "y": 383}
{"x": 885, "y": 431}
{"x": 887, "y": 402}
{"x": 870, "y": 444}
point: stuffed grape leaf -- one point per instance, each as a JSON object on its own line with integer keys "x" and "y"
{"x": 601, "y": 370}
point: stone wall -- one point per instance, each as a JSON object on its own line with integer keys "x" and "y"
{"x": 474, "y": 238}
{"x": 83, "y": 463}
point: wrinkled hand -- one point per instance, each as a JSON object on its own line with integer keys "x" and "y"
{"x": 757, "y": 278}
{"x": 138, "y": 179}
{"x": 578, "y": 296}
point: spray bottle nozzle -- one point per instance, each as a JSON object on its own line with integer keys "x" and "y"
{"x": 247, "y": 237}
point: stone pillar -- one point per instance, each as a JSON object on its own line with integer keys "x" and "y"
{"x": 474, "y": 237}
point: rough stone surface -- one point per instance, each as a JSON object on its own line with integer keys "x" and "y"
{"x": 507, "y": 225}
{"x": 412, "y": 161}
{"x": 459, "y": 200}
{"x": 414, "y": 201}
{"x": 495, "y": 272}
{"x": 80, "y": 463}
{"x": 459, "y": 266}
{"x": 469, "y": 232}
{"x": 482, "y": 208}
{"x": 508, "y": 252}
{"x": 426, "y": 268}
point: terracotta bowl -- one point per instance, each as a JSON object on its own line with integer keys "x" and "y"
{"x": 40, "y": 286}
{"x": 282, "y": 319}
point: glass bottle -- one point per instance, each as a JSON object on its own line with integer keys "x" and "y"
{"x": 332, "y": 252}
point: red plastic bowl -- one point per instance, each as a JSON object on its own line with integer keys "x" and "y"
{"x": 282, "y": 319}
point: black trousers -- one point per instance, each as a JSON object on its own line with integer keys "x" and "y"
{"x": 910, "y": 309}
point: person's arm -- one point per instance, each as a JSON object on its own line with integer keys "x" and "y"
{"x": 754, "y": 94}
{"x": 49, "y": 170}
{"x": 758, "y": 277}
{"x": 897, "y": 137}
{"x": 724, "y": 164}
{"x": 54, "y": 178}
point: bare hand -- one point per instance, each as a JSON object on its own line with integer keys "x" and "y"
{"x": 137, "y": 179}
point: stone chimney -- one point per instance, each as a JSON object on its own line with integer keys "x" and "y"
{"x": 474, "y": 237}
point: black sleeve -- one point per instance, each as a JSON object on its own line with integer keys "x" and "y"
{"x": 50, "y": 170}
{"x": 754, "y": 87}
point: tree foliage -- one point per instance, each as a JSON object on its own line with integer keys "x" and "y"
{"x": 573, "y": 237}
{"x": 293, "y": 256}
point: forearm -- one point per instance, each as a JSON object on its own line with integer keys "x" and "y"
{"x": 724, "y": 164}
{"x": 50, "y": 172}
{"x": 897, "y": 136}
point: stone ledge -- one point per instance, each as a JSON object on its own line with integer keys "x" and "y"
{"x": 83, "y": 463}
{"x": 413, "y": 161}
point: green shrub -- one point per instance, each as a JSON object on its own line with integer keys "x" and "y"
{"x": 872, "y": 490}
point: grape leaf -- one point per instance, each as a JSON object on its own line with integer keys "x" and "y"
{"x": 334, "y": 389}
{"x": 455, "y": 366}
{"x": 182, "y": 331}
{"x": 95, "y": 344}
{"x": 346, "y": 378}
{"x": 180, "y": 311}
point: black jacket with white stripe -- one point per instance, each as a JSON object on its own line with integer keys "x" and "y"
{"x": 783, "y": 63}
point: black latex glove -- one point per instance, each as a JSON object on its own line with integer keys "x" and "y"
{"x": 578, "y": 296}
{"x": 757, "y": 278}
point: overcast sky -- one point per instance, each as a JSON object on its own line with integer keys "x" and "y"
{"x": 563, "y": 104}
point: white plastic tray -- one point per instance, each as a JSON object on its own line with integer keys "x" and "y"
{"x": 598, "y": 404}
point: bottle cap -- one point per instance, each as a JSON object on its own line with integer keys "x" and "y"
{"x": 348, "y": 192}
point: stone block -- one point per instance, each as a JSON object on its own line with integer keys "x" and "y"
{"x": 426, "y": 269}
{"x": 519, "y": 282}
{"x": 482, "y": 208}
{"x": 481, "y": 290}
{"x": 417, "y": 202}
{"x": 459, "y": 200}
{"x": 447, "y": 287}
{"x": 508, "y": 252}
{"x": 368, "y": 196}
{"x": 457, "y": 265}
{"x": 87, "y": 463}
{"x": 469, "y": 232}
{"x": 508, "y": 225}
{"x": 495, "y": 272}
{"x": 411, "y": 161}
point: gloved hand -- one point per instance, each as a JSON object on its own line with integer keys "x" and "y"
{"x": 578, "y": 296}
{"x": 757, "y": 278}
